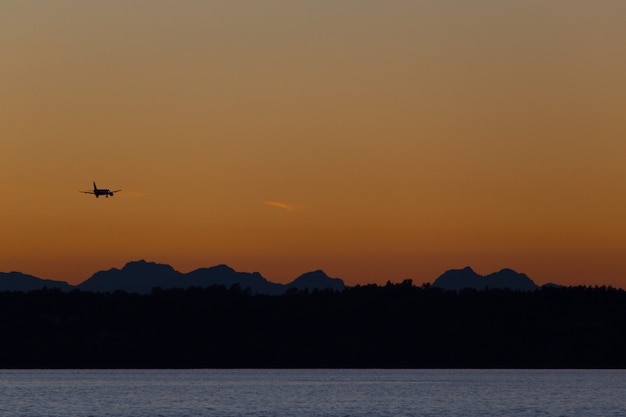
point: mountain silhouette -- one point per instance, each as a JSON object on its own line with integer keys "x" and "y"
{"x": 315, "y": 280}
{"x": 226, "y": 276}
{"x": 134, "y": 277}
{"x": 459, "y": 279}
{"x": 16, "y": 281}
{"x": 142, "y": 277}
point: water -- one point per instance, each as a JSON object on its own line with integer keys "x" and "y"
{"x": 341, "y": 393}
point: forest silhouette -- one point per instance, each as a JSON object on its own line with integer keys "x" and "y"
{"x": 391, "y": 326}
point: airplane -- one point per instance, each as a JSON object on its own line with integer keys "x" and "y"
{"x": 101, "y": 191}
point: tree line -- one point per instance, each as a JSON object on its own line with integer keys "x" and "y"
{"x": 390, "y": 326}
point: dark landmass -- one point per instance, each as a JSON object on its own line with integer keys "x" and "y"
{"x": 16, "y": 281}
{"x": 142, "y": 277}
{"x": 316, "y": 280}
{"x": 392, "y": 326}
{"x": 226, "y": 276}
{"x": 459, "y": 279}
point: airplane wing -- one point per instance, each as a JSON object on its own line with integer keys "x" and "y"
{"x": 116, "y": 191}
{"x": 87, "y": 192}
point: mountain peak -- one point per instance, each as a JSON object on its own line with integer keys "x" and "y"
{"x": 142, "y": 265}
{"x": 312, "y": 274}
{"x": 508, "y": 271}
{"x": 221, "y": 268}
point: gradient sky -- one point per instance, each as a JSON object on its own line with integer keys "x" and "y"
{"x": 376, "y": 140}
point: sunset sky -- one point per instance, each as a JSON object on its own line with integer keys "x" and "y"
{"x": 376, "y": 140}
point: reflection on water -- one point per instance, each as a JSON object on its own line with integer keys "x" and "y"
{"x": 139, "y": 393}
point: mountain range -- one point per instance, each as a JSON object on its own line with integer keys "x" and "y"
{"x": 141, "y": 277}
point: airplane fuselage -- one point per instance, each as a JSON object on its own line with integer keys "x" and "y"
{"x": 101, "y": 191}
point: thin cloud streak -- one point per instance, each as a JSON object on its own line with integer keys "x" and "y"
{"x": 283, "y": 206}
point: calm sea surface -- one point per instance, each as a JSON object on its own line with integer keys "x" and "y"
{"x": 256, "y": 393}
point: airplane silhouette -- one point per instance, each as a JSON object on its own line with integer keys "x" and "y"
{"x": 101, "y": 191}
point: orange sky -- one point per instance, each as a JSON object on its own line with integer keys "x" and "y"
{"x": 374, "y": 140}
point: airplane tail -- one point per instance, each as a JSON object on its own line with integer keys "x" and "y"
{"x": 94, "y": 186}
